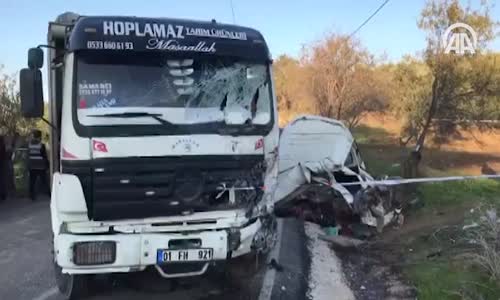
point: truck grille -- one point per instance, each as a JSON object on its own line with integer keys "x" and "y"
{"x": 118, "y": 188}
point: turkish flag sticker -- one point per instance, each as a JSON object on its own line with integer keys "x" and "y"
{"x": 83, "y": 103}
{"x": 259, "y": 144}
{"x": 99, "y": 146}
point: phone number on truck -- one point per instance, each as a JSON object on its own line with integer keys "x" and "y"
{"x": 110, "y": 45}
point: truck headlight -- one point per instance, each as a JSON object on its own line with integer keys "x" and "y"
{"x": 233, "y": 239}
{"x": 94, "y": 253}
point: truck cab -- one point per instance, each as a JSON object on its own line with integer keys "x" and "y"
{"x": 164, "y": 137}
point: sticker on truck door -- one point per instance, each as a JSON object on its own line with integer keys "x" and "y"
{"x": 99, "y": 146}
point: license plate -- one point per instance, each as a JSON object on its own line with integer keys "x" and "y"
{"x": 202, "y": 254}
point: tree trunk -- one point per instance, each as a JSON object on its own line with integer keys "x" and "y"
{"x": 339, "y": 110}
{"x": 410, "y": 165}
{"x": 11, "y": 179}
{"x": 432, "y": 110}
{"x": 3, "y": 169}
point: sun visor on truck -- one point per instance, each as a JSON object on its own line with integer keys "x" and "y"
{"x": 168, "y": 35}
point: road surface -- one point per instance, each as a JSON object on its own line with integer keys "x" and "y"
{"x": 25, "y": 261}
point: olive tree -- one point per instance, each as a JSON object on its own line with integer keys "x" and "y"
{"x": 12, "y": 125}
{"x": 341, "y": 79}
{"x": 460, "y": 83}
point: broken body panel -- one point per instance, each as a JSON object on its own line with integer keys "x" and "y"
{"x": 316, "y": 157}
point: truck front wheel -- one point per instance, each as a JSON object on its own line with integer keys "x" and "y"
{"x": 72, "y": 287}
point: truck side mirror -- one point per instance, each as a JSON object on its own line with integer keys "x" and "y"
{"x": 35, "y": 58}
{"x": 31, "y": 93}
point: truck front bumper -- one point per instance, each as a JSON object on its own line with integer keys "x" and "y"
{"x": 136, "y": 251}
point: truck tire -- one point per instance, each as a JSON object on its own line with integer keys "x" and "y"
{"x": 72, "y": 287}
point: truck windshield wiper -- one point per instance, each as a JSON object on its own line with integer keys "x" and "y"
{"x": 134, "y": 115}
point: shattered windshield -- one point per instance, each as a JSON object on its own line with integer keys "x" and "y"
{"x": 124, "y": 91}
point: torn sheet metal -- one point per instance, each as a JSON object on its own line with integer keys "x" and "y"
{"x": 316, "y": 142}
{"x": 315, "y": 150}
{"x": 309, "y": 144}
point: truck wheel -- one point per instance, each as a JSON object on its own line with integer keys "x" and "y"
{"x": 72, "y": 287}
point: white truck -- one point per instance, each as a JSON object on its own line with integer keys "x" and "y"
{"x": 164, "y": 136}
{"x": 165, "y": 148}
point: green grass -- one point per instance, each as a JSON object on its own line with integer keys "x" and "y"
{"x": 452, "y": 193}
{"x": 378, "y": 161}
{"x": 370, "y": 135}
{"x": 378, "y": 164}
{"x": 447, "y": 277}
{"x": 436, "y": 280}
{"x": 444, "y": 278}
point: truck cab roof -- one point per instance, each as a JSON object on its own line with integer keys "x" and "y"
{"x": 132, "y": 34}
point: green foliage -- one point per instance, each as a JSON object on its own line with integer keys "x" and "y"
{"x": 447, "y": 86}
{"x": 342, "y": 79}
{"x": 291, "y": 91}
{"x": 11, "y": 121}
{"x": 336, "y": 78}
{"x": 430, "y": 94}
{"x": 461, "y": 84}
{"x": 482, "y": 73}
{"x": 412, "y": 97}
{"x": 438, "y": 15}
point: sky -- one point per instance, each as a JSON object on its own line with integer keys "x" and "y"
{"x": 286, "y": 25}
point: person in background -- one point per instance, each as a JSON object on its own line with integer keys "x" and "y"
{"x": 38, "y": 163}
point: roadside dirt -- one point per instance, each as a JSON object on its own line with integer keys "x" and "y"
{"x": 423, "y": 224}
{"x": 374, "y": 271}
{"x": 471, "y": 151}
{"x": 372, "y": 275}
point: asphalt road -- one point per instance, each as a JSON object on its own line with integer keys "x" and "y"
{"x": 24, "y": 249}
{"x": 26, "y": 267}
